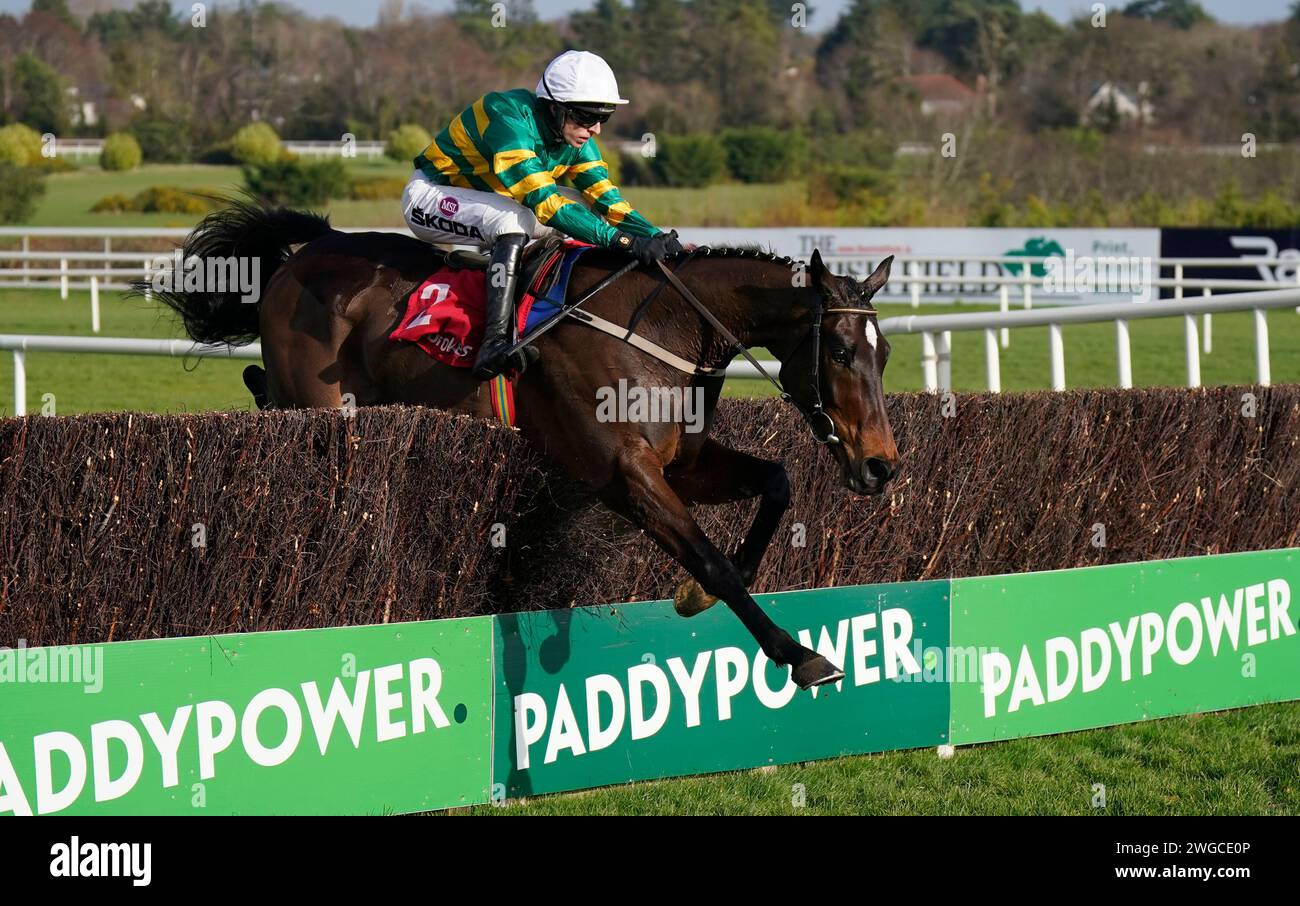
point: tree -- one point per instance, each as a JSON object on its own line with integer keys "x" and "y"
{"x": 975, "y": 35}
{"x": 870, "y": 45}
{"x": 606, "y": 29}
{"x": 58, "y": 9}
{"x": 514, "y": 32}
{"x": 736, "y": 43}
{"x": 119, "y": 26}
{"x": 1178, "y": 13}
{"x": 663, "y": 41}
{"x": 39, "y": 97}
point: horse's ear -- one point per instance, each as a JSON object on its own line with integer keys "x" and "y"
{"x": 820, "y": 275}
{"x": 879, "y": 277}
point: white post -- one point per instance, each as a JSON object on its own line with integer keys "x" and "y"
{"x": 1029, "y": 291}
{"x": 1192, "y": 344}
{"x": 1005, "y": 306}
{"x": 992, "y": 366}
{"x": 1123, "y": 355}
{"x": 63, "y": 279}
{"x": 148, "y": 293}
{"x": 108, "y": 264}
{"x": 1262, "y": 376}
{"x": 94, "y": 303}
{"x": 1178, "y": 281}
{"x": 929, "y": 371}
{"x": 20, "y": 383}
{"x": 1206, "y": 323}
{"x": 1057, "y": 348}
{"x": 27, "y": 247}
{"x": 916, "y": 285}
{"x": 945, "y": 360}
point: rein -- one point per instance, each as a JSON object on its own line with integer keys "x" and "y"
{"x": 810, "y": 414}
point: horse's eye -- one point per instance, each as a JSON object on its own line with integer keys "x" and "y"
{"x": 841, "y": 356}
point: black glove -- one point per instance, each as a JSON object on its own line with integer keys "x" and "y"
{"x": 648, "y": 249}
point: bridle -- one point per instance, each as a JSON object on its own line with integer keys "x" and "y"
{"x": 810, "y": 414}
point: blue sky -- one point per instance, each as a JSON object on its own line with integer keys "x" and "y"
{"x": 362, "y": 12}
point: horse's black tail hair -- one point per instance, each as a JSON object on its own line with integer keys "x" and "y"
{"x": 243, "y": 229}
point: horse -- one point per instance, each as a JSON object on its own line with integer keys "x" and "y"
{"x": 329, "y": 300}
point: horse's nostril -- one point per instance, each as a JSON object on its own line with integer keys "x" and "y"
{"x": 876, "y": 469}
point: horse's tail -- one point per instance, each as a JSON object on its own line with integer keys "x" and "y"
{"x": 243, "y": 230}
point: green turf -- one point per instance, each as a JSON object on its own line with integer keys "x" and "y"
{"x": 1239, "y": 762}
{"x": 69, "y": 197}
{"x": 98, "y": 383}
{"x": 87, "y": 383}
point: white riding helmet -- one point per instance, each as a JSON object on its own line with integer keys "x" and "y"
{"x": 579, "y": 77}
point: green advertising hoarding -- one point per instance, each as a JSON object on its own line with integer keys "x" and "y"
{"x": 600, "y": 695}
{"x": 421, "y": 716}
{"x": 1080, "y": 648}
{"x": 368, "y": 720}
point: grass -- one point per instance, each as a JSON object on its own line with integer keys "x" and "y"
{"x": 1238, "y": 762}
{"x": 89, "y": 383}
{"x": 101, "y": 383}
{"x": 69, "y": 197}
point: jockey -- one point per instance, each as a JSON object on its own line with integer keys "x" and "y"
{"x": 488, "y": 179}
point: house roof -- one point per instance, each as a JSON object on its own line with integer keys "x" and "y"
{"x": 939, "y": 87}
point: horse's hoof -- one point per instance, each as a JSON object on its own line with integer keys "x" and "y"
{"x": 691, "y": 599}
{"x": 816, "y": 671}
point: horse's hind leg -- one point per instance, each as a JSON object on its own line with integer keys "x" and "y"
{"x": 301, "y": 343}
{"x": 642, "y": 494}
{"x": 722, "y": 475}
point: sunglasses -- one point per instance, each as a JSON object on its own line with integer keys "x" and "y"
{"x": 586, "y": 118}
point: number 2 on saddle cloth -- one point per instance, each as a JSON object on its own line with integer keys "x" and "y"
{"x": 445, "y": 315}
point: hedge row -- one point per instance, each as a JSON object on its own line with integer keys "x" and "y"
{"x": 128, "y": 526}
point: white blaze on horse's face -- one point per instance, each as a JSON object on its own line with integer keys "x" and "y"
{"x": 871, "y": 333}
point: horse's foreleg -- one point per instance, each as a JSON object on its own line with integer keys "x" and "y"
{"x": 642, "y": 494}
{"x": 722, "y": 475}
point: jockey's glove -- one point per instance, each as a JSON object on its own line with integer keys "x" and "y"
{"x": 648, "y": 249}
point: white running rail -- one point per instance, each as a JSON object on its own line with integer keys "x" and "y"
{"x": 935, "y": 330}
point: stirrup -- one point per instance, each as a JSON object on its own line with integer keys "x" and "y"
{"x": 499, "y": 363}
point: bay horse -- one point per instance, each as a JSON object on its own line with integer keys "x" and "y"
{"x": 326, "y": 310}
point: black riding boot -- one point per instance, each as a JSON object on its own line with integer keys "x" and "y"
{"x": 499, "y": 329}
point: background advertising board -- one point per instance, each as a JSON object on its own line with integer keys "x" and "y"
{"x": 1244, "y": 244}
{"x": 856, "y": 252}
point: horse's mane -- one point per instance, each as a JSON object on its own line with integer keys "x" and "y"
{"x": 752, "y": 251}
{"x": 748, "y": 250}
